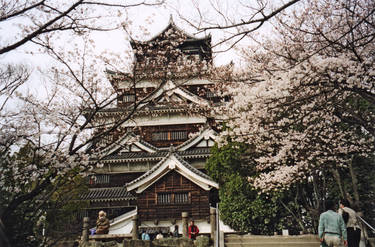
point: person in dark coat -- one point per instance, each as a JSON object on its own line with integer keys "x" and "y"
{"x": 175, "y": 232}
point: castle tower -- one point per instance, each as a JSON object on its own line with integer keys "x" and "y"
{"x": 153, "y": 164}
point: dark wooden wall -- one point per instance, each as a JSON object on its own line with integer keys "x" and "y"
{"x": 115, "y": 180}
{"x": 173, "y": 182}
{"x": 147, "y": 132}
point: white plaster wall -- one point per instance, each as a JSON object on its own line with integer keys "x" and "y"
{"x": 125, "y": 226}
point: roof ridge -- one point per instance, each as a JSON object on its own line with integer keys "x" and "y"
{"x": 172, "y": 24}
{"x": 106, "y": 188}
{"x": 157, "y": 165}
{"x": 160, "y": 163}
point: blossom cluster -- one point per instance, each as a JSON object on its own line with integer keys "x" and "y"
{"x": 305, "y": 110}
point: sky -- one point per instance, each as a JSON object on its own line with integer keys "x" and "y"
{"x": 141, "y": 23}
{"x": 155, "y": 18}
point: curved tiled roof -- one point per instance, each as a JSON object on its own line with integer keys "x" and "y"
{"x": 159, "y": 164}
{"x": 194, "y": 152}
{"x": 146, "y": 174}
{"x": 193, "y": 169}
{"x": 171, "y": 24}
{"x": 146, "y": 109}
{"x": 107, "y": 194}
{"x": 116, "y": 145}
{"x": 149, "y": 145}
{"x": 145, "y": 156}
{"x": 191, "y": 139}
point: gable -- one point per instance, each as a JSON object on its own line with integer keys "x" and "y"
{"x": 173, "y": 181}
{"x": 133, "y": 147}
{"x": 174, "y": 98}
{"x": 171, "y": 91}
{"x": 205, "y": 139}
{"x": 128, "y": 143}
{"x": 172, "y": 162}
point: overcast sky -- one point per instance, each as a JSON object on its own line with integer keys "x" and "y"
{"x": 153, "y": 19}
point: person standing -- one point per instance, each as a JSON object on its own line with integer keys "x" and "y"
{"x": 352, "y": 224}
{"x": 159, "y": 236}
{"x": 331, "y": 226}
{"x": 145, "y": 236}
{"x": 193, "y": 230}
{"x": 175, "y": 232}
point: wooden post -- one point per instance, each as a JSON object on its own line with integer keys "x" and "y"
{"x": 221, "y": 239}
{"x": 185, "y": 224}
{"x": 213, "y": 222}
{"x": 135, "y": 227}
{"x": 85, "y": 230}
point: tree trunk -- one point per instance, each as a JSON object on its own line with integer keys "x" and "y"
{"x": 355, "y": 184}
{"x": 337, "y": 177}
{"x": 3, "y": 238}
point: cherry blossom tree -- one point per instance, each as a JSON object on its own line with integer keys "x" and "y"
{"x": 305, "y": 102}
{"x": 52, "y": 122}
{"x": 34, "y": 18}
{"x": 234, "y": 21}
{"x": 62, "y": 124}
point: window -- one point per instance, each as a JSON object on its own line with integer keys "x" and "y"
{"x": 105, "y": 140}
{"x": 210, "y": 94}
{"x": 164, "y": 198}
{"x": 129, "y": 98}
{"x": 181, "y": 198}
{"x": 99, "y": 179}
{"x": 170, "y": 135}
{"x": 191, "y": 50}
{"x": 173, "y": 198}
{"x": 160, "y": 136}
{"x": 178, "y": 135}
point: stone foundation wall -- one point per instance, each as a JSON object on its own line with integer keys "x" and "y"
{"x": 167, "y": 242}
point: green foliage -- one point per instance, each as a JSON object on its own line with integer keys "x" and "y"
{"x": 365, "y": 174}
{"x": 244, "y": 210}
{"x": 241, "y": 206}
{"x": 202, "y": 241}
{"x": 226, "y": 161}
{"x": 53, "y": 207}
{"x": 62, "y": 214}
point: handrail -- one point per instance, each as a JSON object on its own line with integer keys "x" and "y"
{"x": 367, "y": 224}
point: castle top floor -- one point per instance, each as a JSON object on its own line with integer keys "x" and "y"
{"x": 171, "y": 54}
{"x": 172, "y": 45}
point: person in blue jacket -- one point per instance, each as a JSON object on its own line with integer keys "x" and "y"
{"x": 145, "y": 236}
{"x": 332, "y": 227}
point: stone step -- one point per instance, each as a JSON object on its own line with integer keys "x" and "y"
{"x": 233, "y": 240}
{"x": 273, "y": 244}
{"x": 298, "y": 238}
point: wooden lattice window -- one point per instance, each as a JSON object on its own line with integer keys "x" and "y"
{"x": 169, "y": 135}
{"x": 181, "y": 198}
{"x": 164, "y": 198}
{"x": 128, "y": 98}
{"x": 173, "y": 198}
{"x": 210, "y": 94}
{"x": 99, "y": 179}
